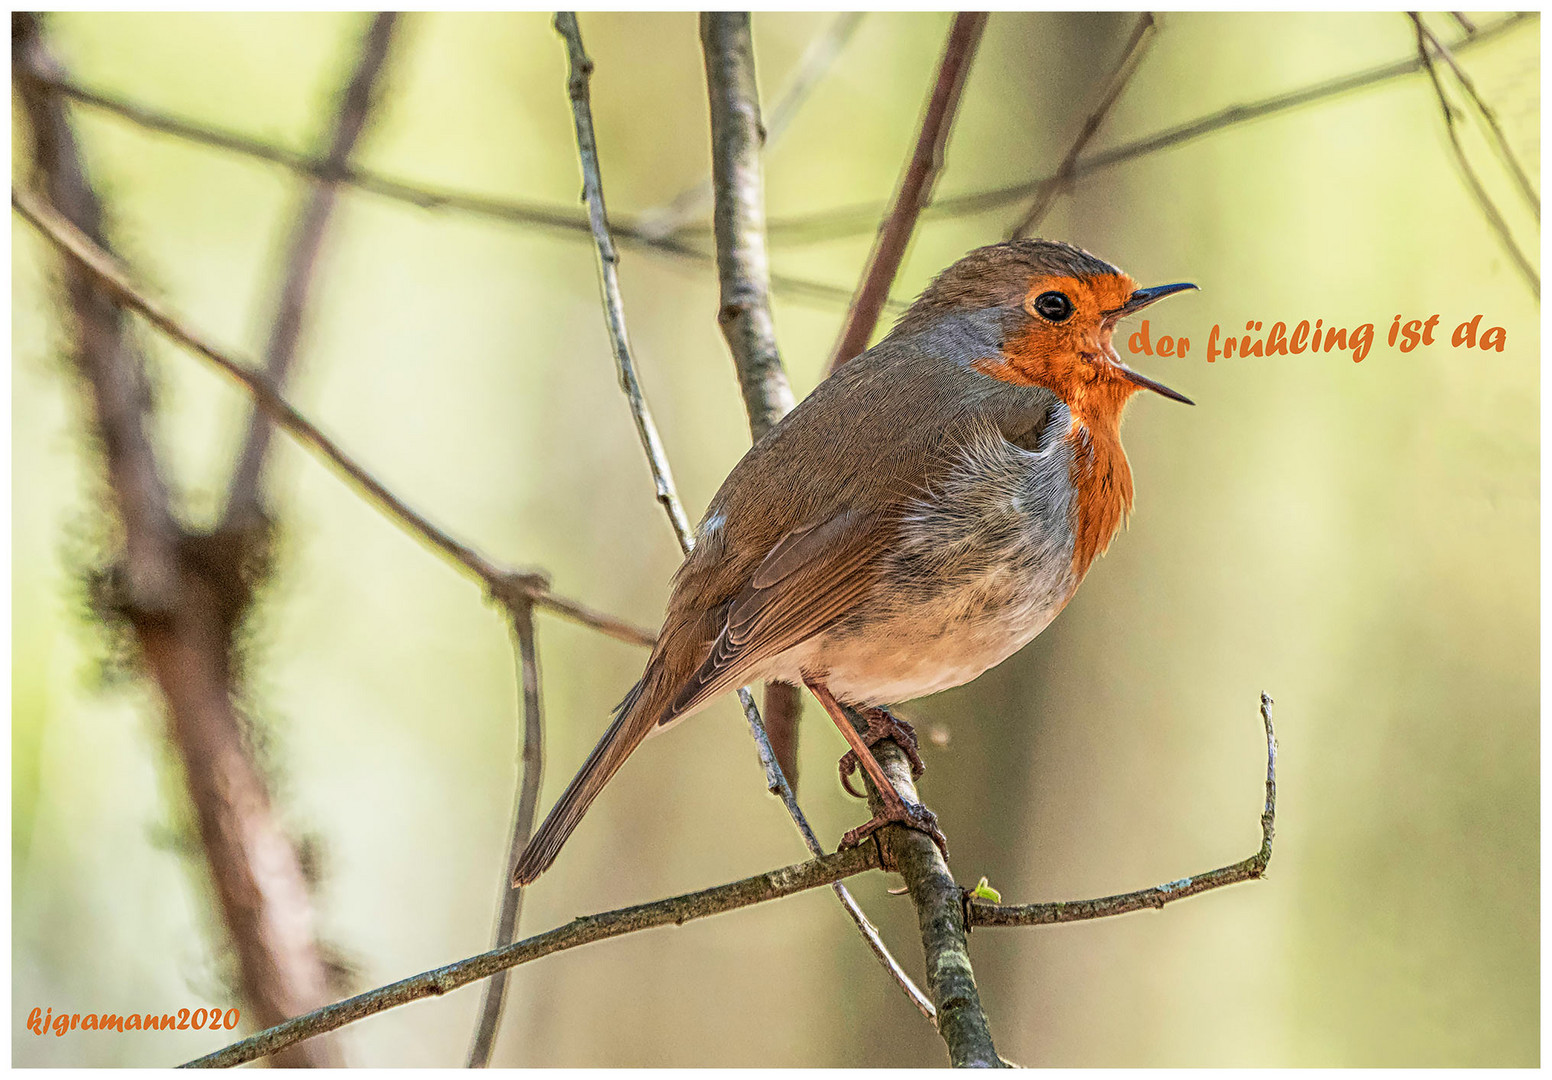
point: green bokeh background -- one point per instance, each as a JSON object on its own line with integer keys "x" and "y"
{"x": 1359, "y": 540}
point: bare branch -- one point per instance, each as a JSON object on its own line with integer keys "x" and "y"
{"x": 860, "y": 219}
{"x": 581, "y": 68}
{"x": 1500, "y": 140}
{"x": 244, "y": 506}
{"x": 743, "y": 265}
{"x": 105, "y": 269}
{"x": 915, "y": 190}
{"x": 1046, "y": 193}
{"x": 424, "y": 197}
{"x": 609, "y": 278}
{"x": 1495, "y": 220}
{"x": 173, "y": 607}
{"x": 691, "y": 203}
{"x": 675, "y": 910}
{"x": 532, "y": 776}
{"x": 1251, "y": 869}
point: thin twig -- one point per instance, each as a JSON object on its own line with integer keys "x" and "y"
{"x": 1500, "y": 140}
{"x": 690, "y": 204}
{"x": 244, "y": 504}
{"x": 580, "y": 71}
{"x": 915, "y": 190}
{"x": 860, "y": 219}
{"x": 1251, "y": 869}
{"x": 106, "y": 270}
{"x": 177, "y": 614}
{"x": 1465, "y": 23}
{"x": 609, "y": 279}
{"x": 675, "y": 910}
{"x": 532, "y": 775}
{"x": 1061, "y": 180}
{"x": 421, "y": 196}
{"x": 1489, "y": 209}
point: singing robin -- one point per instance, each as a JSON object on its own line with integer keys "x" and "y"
{"x": 916, "y": 520}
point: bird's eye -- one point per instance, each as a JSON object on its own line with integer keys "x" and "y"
{"x": 1054, "y": 306}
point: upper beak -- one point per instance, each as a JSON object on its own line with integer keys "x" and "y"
{"x": 1140, "y": 299}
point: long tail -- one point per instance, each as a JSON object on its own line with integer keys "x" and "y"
{"x": 633, "y": 722}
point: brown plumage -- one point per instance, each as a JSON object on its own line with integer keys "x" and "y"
{"x": 917, "y": 518}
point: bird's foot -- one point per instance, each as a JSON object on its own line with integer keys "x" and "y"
{"x": 882, "y": 724}
{"x": 899, "y": 812}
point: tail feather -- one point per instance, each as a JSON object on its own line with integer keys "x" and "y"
{"x": 632, "y": 724}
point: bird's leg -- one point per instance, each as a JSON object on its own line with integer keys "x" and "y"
{"x": 895, "y": 810}
{"x": 882, "y": 724}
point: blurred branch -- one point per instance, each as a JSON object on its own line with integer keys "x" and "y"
{"x": 422, "y": 196}
{"x": 532, "y": 775}
{"x": 1061, "y": 180}
{"x": 580, "y": 71}
{"x": 859, "y": 219}
{"x": 675, "y": 910}
{"x": 1500, "y": 140}
{"x": 244, "y": 504}
{"x": 171, "y": 597}
{"x": 1251, "y": 869}
{"x": 503, "y": 584}
{"x": 1489, "y": 209}
{"x": 691, "y": 203}
{"x": 915, "y": 190}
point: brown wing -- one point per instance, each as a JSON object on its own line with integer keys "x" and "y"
{"x": 812, "y": 577}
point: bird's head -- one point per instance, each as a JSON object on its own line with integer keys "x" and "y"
{"x": 1058, "y": 308}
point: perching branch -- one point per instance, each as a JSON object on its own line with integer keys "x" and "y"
{"x": 1495, "y": 220}
{"x": 502, "y": 583}
{"x": 580, "y": 72}
{"x": 168, "y": 595}
{"x": 1490, "y": 116}
{"x": 690, "y": 204}
{"x": 860, "y": 219}
{"x": 1251, "y": 869}
{"x": 940, "y": 914}
{"x": 910, "y": 852}
{"x": 676, "y": 910}
{"x": 532, "y": 776}
{"x": 915, "y": 190}
{"x": 1061, "y": 180}
{"x": 244, "y": 503}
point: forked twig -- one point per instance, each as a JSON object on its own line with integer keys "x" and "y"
{"x": 1251, "y": 869}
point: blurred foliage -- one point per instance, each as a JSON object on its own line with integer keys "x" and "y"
{"x": 1359, "y": 540}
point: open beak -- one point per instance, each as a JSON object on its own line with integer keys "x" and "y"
{"x": 1140, "y": 299}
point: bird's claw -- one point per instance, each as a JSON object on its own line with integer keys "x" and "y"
{"x": 883, "y": 724}
{"x": 911, "y": 815}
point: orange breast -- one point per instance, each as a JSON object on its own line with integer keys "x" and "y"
{"x": 1102, "y": 481}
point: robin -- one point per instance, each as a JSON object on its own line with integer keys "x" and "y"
{"x": 916, "y": 520}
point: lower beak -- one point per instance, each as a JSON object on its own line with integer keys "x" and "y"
{"x": 1157, "y": 387}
